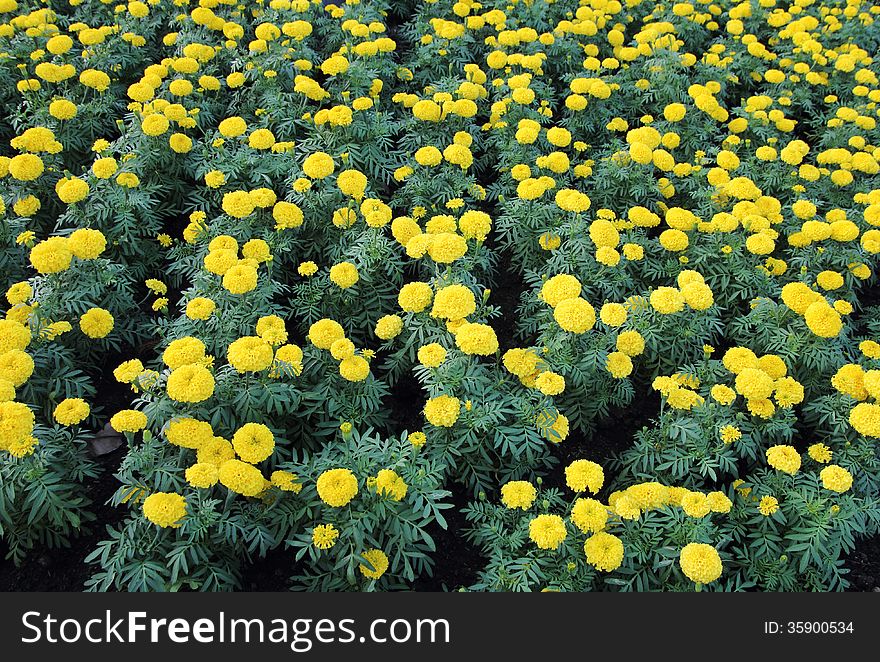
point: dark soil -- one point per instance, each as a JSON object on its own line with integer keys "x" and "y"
{"x": 864, "y": 565}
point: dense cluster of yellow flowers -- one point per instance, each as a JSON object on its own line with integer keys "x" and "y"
{"x": 283, "y": 215}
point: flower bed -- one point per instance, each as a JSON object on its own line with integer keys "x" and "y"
{"x": 339, "y": 275}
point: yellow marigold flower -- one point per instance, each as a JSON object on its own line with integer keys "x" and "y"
{"x": 583, "y": 475}
{"x": 128, "y": 420}
{"x": 431, "y": 355}
{"x": 200, "y": 308}
{"x": 183, "y": 351}
{"x": 286, "y": 481}
{"x": 253, "y": 442}
{"x": 288, "y": 360}
{"x": 189, "y": 433}
{"x": 799, "y": 297}
{"x": 788, "y": 392}
{"x": 820, "y": 453}
{"x": 823, "y": 320}
{"x": 446, "y": 247}
{"x": 165, "y": 509}
{"x": 836, "y": 479}
{"x": 238, "y": 204}
{"x": 215, "y": 179}
{"x": 518, "y": 494}
{"x": 19, "y": 293}
{"x": 613, "y": 314}
{"x": 475, "y": 225}
{"x": 389, "y": 327}
{"x": 342, "y": 349}
{"x": 324, "y": 536}
{"x": 287, "y": 215}
{"x": 378, "y": 564}
{"x": 630, "y": 343}
{"x": 128, "y": 371}
{"x": 477, "y": 339}
{"x": 240, "y": 279}
{"x": 619, "y": 365}
{"x": 344, "y": 275}
{"x": 737, "y": 359}
{"x": 604, "y": 551}
{"x": 202, "y": 475}
{"x": 453, "y": 302}
{"x": 190, "y": 383}
{"x": 52, "y": 255}
{"x": 718, "y": 502}
{"x": 271, "y": 328}
{"x": 869, "y": 348}
{"x": 850, "y": 380}
{"x": 589, "y": 515}
{"x": 354, "y": 368}
{"x": 723, "y": 394}
{"x": 768, "y": 505}
{"x": 307, "y": 269}
{"x": 575, "y": 314}
{"x": 389, "y": 484}
{"x": 241, "y": 478}
{"x": 352, "y": 183}
{"x": 550, "y": 383}
{"x": 547, "y": 531}
{"x": 667, "y": 300}
{"x": 695, "y": 504}
{"x": 250, "y": 354}
{"x": 559, "y": 288}
{"x": 216, "y": 451}
{"x": 337, "y": 487}
{"x": 442, "y": 411}
{"x": 325, "y": 332}
{"x": 700, "y": 563}
{"x": 71, "y": 411}
{"x": 13, "y": 335}
{"x": 753, "y": 383}
{"x": 232, "y": 127}
{"x": 730, "y": 434}
{"x": 784, "y": 458}
{"x": 16, "y": 423}
{"x": 319, "y": 165}
{"x": 428, "y": 156}
{"x": 96, "y": 323}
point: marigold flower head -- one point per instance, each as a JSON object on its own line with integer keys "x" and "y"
{"x": 253, "y": 442}
{"x": 202, "y": 475}
{"x": 442, "y": 411}
{"x": 700, "y": 563}
{"x": 379, "y": 562}
{"x": 241, "y": 478}
{"x": 836, "y": 478}
{"x": 604, "y": 551}
{"x": 324, "y": 536}
{"x": 165, "y": 509}
{"x": 768, "y": 505}
{"x": 784, "y": 458}
{"x": 71, "y": 411}
{"x": 547, "y": 531}
{"x": 820, "y": 453}
{"x": 583, "y": 475}
{"x": 518, "y": 494}
{"x": 337, "y": 487}
{"x": 559, "y": 288}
